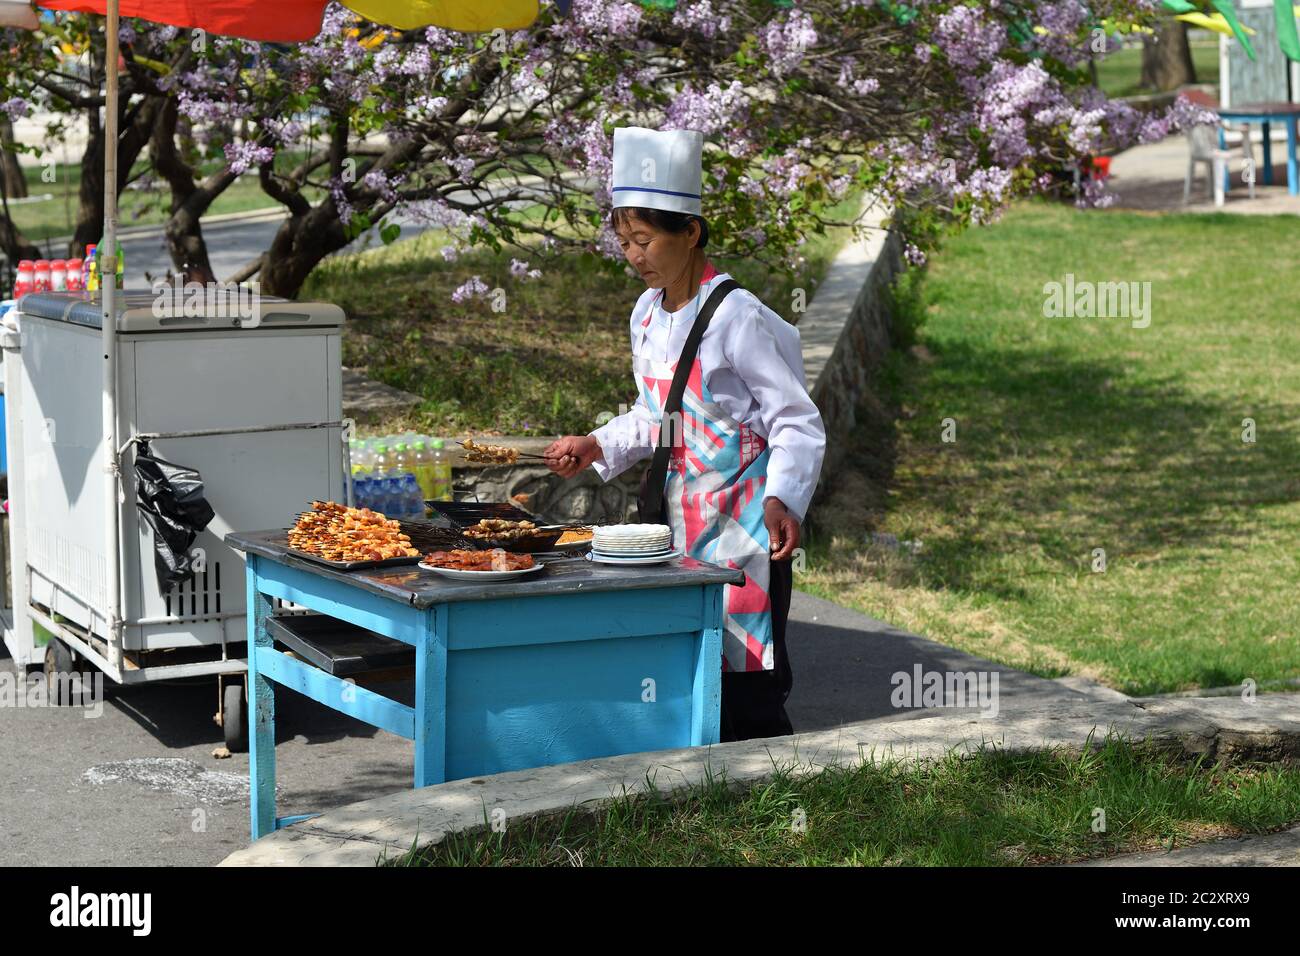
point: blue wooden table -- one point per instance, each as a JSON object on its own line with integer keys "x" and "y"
{"x": 1265, "y": 114}
{"x": 572, "y": 662}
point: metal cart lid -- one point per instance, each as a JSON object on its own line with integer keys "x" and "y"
{"x": 181, "y": 310}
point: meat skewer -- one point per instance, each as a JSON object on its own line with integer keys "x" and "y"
{"x": 494, "y": 454}
{"x": 336, "y": 532}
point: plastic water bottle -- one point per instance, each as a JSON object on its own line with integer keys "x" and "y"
{"x": 361, "y": 491}
{"x": 368, "y": 458}
{"x": 383, "y": 465}
{"x": 414, "y": 497}
{"x": 405, "y": 458}
{"x": 389, "y": 497}
{"x": 441, "y": 472}
{"x": 424, "y": 470}
{"x": 409, "y": 492}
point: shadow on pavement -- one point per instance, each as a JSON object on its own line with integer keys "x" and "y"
{"x": 844, "y": 663}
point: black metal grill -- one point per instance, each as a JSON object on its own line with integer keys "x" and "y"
{"x": 463, "y": 514}
{"x": 429, "y": 537}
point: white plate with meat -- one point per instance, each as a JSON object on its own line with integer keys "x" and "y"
{"x": 494, "y": 565}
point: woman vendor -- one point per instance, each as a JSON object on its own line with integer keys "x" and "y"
{"x": 747, "y": 451}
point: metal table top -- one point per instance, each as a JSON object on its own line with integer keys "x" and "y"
{"x": 408, "y": 584}
{"x": 1259, "y": 109}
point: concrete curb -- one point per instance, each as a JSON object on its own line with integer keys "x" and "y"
{"x": 1267, "y": 849}
{"x": 359, "y": 834}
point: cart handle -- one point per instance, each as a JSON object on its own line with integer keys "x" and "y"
{"x": 346, "y": 423}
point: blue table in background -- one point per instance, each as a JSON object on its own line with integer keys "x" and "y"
{"x": 1265, "y": 114}
{"x": 573, "y": 662}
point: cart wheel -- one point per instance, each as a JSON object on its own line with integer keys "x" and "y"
{"x": 234, "y": 721}
{"x": 60, "y": 663}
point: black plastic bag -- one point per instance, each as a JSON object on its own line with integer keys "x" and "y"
{"x": 171, "y": 499}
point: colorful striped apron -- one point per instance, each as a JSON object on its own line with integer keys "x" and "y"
{"x": 715, "y": 489}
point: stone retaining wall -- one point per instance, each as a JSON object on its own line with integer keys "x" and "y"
{"x": 847, "y": 330}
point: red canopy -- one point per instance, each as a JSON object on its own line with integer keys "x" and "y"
{"x": 279, "y": 20}
{"x": 289, "y": 20}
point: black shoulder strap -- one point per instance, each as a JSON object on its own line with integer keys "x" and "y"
{"x": 670, "y": 426}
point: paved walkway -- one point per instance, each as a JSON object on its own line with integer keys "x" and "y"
{"x": 1151, "y": 178}
{"x": 844, "y": 662}
{"x": 156, "y": 796}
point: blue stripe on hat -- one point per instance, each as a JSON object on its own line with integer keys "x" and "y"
{"x": 647, "y": 189}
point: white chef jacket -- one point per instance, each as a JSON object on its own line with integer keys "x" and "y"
{"x": 752, "y": 361}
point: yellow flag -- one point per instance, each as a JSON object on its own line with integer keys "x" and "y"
{"x": 468, "y": 16}
{"x": 1216, "y": 22}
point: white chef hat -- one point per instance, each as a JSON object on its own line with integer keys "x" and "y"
{"x": 658, "y": 169}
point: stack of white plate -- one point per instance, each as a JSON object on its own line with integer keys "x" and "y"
{"x": 632, "y": 542}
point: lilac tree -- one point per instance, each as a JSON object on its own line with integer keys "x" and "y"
{"x": 945, "y": 110}
{"x": 59, "y": 72}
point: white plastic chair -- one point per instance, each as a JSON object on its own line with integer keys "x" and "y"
{"x": 1203, "y": 142}
{"x": 1205, "y": 146}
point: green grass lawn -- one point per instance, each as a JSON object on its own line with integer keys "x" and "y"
{"x": 989, "y": 809}
{"x": 551, "y": 362}
{"x": 1118, "y": 73}
{"x": 1076, "y": 434}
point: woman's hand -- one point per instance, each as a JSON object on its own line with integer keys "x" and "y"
{"x": 782, "y": 529}
{"x": 569, "y": 455}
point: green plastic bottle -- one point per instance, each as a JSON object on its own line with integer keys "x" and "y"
{"x": 362, "y": 457}
{"x": 425, "y": 474}
{"x": 402, "y": 459}
{"x": 441, "y": 471}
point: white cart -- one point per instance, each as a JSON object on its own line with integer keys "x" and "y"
{"x": 255, "y": 407}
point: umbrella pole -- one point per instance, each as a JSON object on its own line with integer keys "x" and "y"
{"x": 108, "y": 287}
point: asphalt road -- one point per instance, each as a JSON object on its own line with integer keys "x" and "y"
{"x": 138, "y": 783}
{"x": 232, "y": 244}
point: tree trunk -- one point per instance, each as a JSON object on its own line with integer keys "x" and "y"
{"x": 11, "y": 174}
{"x": 188, "y": 249}
{"x": 90, "y": 206}
{"x": 1167, "y": 57}
{"x": 301, "y": 242}
{"x": 15, "y": 245}
{"x": 135, "y": 123}
{"x": 189, "y": 202}
{"x": 309, "y": 234}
